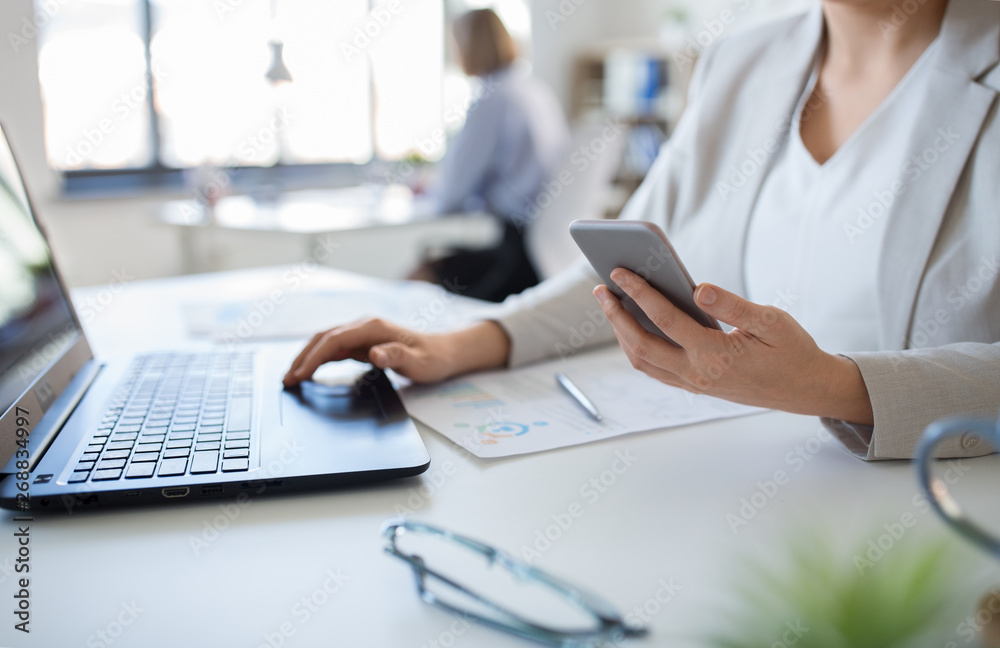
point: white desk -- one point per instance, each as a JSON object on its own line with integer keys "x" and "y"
{"x": 376, "y": 229}
{"x": 663, "y": 519}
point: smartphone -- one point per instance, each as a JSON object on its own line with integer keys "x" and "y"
{"x": 644, "y": 249}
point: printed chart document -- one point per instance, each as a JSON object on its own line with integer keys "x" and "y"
{"x": 503, "y": 413}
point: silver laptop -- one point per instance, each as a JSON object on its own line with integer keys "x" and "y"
{"x": 78, "y": 433}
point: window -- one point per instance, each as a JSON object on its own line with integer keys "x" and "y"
{"x": 171, "y": 84}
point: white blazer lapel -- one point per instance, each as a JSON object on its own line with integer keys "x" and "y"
{"x": 755, "y": 128}
{"x": 951, "y": 117}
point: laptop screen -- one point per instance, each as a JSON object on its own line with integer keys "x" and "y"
{"x": 36, "y": 321}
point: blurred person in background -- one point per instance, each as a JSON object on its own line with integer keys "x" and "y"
{"x": 514, "y": 138}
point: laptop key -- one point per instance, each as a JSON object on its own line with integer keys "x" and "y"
{"x": 173, "y": 453}
{"x": 232, "y": 436}
{"x": 205, "y": 462}
{"x": 239, "y": 414}
{"x": 211, "y": 445}
{"x": 140, "y": 470}
{"x": 111, "y": 463}
{"x": 85, "y": 466}
{"x": 89, "y": 456}
{"x": 78, "y": 476}
{"x": 143, "y": 457}
{"x": 179, "y": 443}
{"x": 116, "y": 454}
{"x": 105, "y": 475}
{"x": 148, "y": 447}
{"x": 120, "y": 445}
{"x": 181, "y": 435}
{"x": 230, "y": 465}
{"x": 239, "y": 443}
{"x": 170, "y": 467}
{"x": 236, "y": 454}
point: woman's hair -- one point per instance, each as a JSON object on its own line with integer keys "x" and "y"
{"x": 484, "y": 46}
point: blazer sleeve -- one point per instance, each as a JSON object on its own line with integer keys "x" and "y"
{"x": 911, "y": 389}
{"x": 561, "y": 316}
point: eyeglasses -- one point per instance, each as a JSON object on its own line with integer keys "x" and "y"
{"x": 486, "y": 585}
{"x": 970, "y": 432}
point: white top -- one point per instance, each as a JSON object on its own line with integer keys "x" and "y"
{"x": 816, "y": 230}
{"x": 514, "y": 139}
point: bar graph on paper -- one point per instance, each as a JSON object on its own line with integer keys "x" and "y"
{"x": 503, "y": 413}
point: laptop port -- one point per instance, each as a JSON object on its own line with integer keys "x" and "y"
{"x": 132, "y": 493}
{"x": 212, "y": 490}
{"x": 180, "y": 491}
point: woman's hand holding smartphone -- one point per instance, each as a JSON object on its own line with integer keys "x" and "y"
{"x": 767, "y": 360}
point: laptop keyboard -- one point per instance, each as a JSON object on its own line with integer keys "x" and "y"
{"x": 175, "y": 414}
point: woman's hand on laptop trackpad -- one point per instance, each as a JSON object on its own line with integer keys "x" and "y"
{"x": 421, "y": 357}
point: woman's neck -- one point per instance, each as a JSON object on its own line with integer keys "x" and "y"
{"x": 867, "y": 51}
{"x": 865, "y": 37}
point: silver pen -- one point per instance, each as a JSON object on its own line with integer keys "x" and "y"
{"x": 578, "y": 395}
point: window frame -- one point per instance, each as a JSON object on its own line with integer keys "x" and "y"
{"x": 82, "y": 183}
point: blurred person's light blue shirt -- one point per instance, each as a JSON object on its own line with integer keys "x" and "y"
{"x": 514, "y": 140}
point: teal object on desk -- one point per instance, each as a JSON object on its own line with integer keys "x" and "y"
{"x": 970, "y": 431}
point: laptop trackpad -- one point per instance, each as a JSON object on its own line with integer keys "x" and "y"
{"x": 360, "y": 422}
{"x": 338, "y": 402}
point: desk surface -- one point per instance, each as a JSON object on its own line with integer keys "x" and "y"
{"x": 657, "y": 509}
{"x": 311, "y": 211}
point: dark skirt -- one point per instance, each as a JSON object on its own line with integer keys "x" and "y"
{"x": 490, "y": 273}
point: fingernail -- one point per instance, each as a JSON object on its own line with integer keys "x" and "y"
{"x": 619, "y": 277}
{"x": 706, "y": 295}
{"x": 601, "y": 297}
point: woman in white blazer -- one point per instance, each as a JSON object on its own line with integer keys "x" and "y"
{"x": 852, "y": 152}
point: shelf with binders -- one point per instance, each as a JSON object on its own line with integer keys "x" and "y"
{"x": 639, "y": 84}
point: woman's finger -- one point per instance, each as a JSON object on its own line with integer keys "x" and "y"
{"x": 678, "y": 325}
{"x": 757, "y": 320}
{"x": 297, "y": 362}
{"x": 340, "y": 343}
{"x": 400, "y": 358}
{"x": 637, "y": 342}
